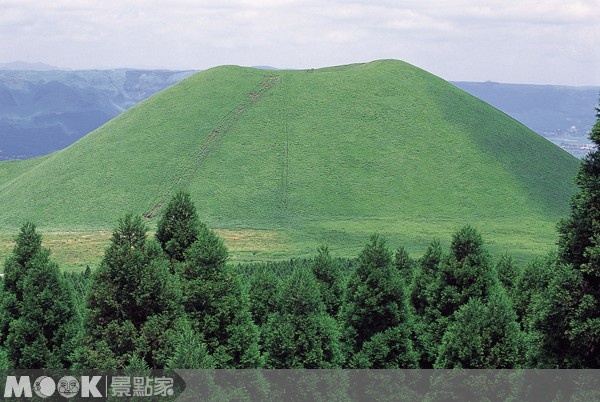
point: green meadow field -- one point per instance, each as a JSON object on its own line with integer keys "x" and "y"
{"x": 280, "y": 162}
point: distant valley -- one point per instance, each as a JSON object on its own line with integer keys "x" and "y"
{"x": 43, "y": 109}
{"x": 564, "y": 115}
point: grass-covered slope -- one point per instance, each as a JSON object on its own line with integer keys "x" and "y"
{"x": 290, "y": 159}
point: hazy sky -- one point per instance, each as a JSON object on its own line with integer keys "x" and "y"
{"x": 522, "y": 41}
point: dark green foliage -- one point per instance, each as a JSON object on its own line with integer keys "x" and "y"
{"x": 99, "y": 354}
{"x": 132, "y": 300}
{"x": 137, "y": 367}
{"x": 508, "y": 272}
{"x": 28, "y": 244}
{"x": 206, "y": 257}
{"x": 423, "y": 303}
{"x": 466, "y": 242}
{"x": 264, "y": 295}
{"x": 153, "y": 343}
{"x": 425, "y": 278}
{"x": 466, "y": 273}
{"x": 281, "y": 269}
{"x": 327, "y": 272}
{"x": 79, "y": 282}
{"x": 178, "y": 226}
{"x": 300, "y": 294}
{"x": 132, "y": 282}
{"x": 455, "y": 312}
{"x": 564, "y": 331}
{"x": 529, "y": 299}
{"x": 579, "y": 246}
{"x": 310, "y": 342}
{"x": 482, "y": 335}
{"x": 217, "y": 305}
{"x": 4, "y": 362}
{"x": 405, "y": 265}
{"x": 579, "y": 232}
{"x": 375, "y": 301}
{"x": 37, "y": 306}
{"x": 188, "y": 348}
{"x": 531, "y": 286}
{"x": 390, "y": 349}
{"x": 48, "y": 317}
{"x": 301, "y": 334}
{"x": 9, "y": 310}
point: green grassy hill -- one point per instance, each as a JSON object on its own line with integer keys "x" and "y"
{"x": 282, "y": 161}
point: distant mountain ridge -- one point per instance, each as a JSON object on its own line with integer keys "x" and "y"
{"x": 42, "y": 111}
{"x": 563, "y": 114}
{"x": 23, "y": 65}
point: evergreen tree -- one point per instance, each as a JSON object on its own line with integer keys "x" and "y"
{"x": 131, "y": 291}
{"x": 375, "y": 302}
{"x": 579, "y": 246}
{"x": 301, "y": 334}
{"x": 530, "y": 288}
{"x": 422, "y": 300}
{"x": 425, "y": 278}
{"x": 79, "y": 283}
{"x": 38, "y": 316}
{"x": 178, "y": 226}
{"x": 4, "y": 362}
{"x": 529, "y": 298}
{"x": 43, "y": 336}
{"x": 28, "y": 243}
{"x": 188, "y": 348}
{"x": 579, "y": 232}
{"x": 405, "y": 265}
{"x": 264, "y": 294}
{"x": 217, "y": 305}
{"x": 327, "y": 272}
{"x": 558, "y": 313}
{"x": 483, "y": 335}
{"x": 390, "y": 349}
{"x": 508, "y": 272}
{"x": 467, "y": 272}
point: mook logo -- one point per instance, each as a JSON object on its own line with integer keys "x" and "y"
{"x": 45, "y": 386}
{"x": 117, "y": 384}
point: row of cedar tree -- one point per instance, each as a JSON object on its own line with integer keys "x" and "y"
{"x": 172, "y": 301}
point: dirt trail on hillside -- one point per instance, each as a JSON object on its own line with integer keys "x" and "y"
{"x": 191, "y": 167}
